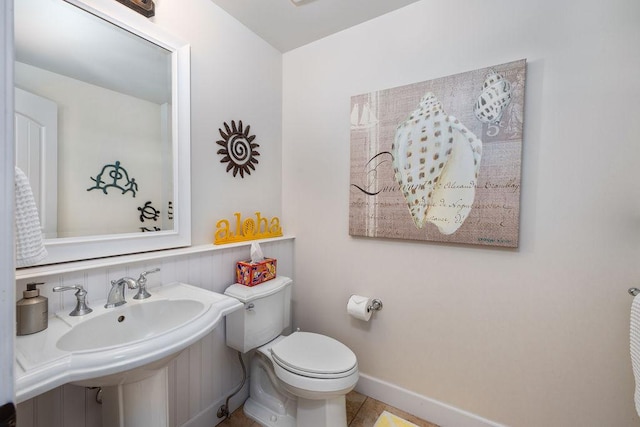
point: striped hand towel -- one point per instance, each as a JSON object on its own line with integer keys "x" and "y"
{"x": 635, "y": 347}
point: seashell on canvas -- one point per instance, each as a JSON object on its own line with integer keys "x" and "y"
{"x": 436, "y": 161}
{"x": 494, "y": 98}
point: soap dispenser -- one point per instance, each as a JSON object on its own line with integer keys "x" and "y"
{"x": 32, "y": 311}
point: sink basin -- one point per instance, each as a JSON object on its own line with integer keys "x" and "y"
{"x": 130, "y": 324}
{"x": 117, "y": 345}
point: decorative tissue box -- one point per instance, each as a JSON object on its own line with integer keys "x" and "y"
{"x": 251, "y": 274}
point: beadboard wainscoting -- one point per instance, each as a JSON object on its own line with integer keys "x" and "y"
{"x": 200, "y": 378}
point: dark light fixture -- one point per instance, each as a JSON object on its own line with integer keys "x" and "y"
{"x": 144, "y": 7}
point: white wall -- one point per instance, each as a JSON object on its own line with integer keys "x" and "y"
{"x": 526, "y": 337}
{"x": 235, "y": 75}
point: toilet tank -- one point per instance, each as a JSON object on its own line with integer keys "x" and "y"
{"x": 267, "y": 312}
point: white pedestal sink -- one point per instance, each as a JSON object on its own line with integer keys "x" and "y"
{"x": 140, "y": 403}
{"x": 125, "y": 350}
{"x": 137, "y": 396}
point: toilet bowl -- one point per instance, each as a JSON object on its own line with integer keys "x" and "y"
{"x": 295, "y": 380}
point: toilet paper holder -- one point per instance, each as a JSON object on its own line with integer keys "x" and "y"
{"x": 376, "y": 305}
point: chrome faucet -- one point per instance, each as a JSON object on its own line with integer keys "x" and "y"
{"x": 116, "y": 294}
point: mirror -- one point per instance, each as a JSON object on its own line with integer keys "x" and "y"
{"x": 102, "y": 127}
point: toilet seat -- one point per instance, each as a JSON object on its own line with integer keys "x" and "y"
{"x": 314, "y": 356}
{"x": 300, "y": 362}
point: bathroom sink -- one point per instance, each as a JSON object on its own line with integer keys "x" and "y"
{"x": 117, "y": 345}
{"x": 129, "y": 324}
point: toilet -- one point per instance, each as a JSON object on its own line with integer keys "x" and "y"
{"x": 295, "y": 380}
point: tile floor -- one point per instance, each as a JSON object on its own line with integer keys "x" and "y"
{"x": 362, "y": 411}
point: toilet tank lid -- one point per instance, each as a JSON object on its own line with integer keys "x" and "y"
{"x": 247, "y": 294}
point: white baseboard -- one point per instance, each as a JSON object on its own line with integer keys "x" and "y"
{"x": 421, "y": 406}
{"x": 208, "y": 416}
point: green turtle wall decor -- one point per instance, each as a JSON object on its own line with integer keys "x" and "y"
{"x": 118, "y": 177}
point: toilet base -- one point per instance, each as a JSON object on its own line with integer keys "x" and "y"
{"x": 309, "y": 413}
{"x": 322, "y": 413}
{"x": 268, "y": 404}
{"x": 272, "y": 405}
{"x": 266, "y": 416}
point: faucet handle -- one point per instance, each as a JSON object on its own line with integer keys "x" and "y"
{"x": 81, "y": 299}
{"x": 142, "y": 284}
{"x": 142, "y": 280}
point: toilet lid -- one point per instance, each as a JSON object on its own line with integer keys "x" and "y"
{"x": 314, "y": 355}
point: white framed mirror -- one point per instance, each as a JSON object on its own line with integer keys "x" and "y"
{"x": 102, "y": 128}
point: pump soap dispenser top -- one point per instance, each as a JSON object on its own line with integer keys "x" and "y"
{"x": 32, "y": 311}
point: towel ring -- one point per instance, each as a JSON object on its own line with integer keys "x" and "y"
{"x": 634, "y": 291}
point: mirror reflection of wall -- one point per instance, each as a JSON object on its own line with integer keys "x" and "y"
{"x": 113, "y": 95}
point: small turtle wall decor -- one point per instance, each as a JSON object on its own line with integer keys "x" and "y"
{"x": 148, "y": 212}
{"x": 238, "y": 150}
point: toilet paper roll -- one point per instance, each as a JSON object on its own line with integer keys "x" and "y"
{"x": 357, "y": 307}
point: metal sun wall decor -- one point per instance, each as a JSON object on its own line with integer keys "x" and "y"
{"x": 440, "y": 160}
{"x": 119, "y": 179}
{"x": 238, "y": 150}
